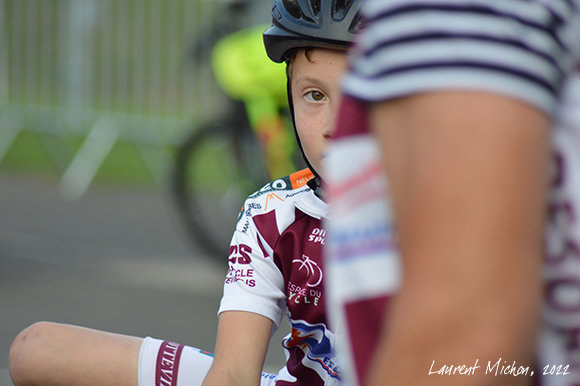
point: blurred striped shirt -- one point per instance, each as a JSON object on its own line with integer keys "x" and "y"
{"x": 523, "y": 49}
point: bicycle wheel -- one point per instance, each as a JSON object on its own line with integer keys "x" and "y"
{"x": 218, "y": 166}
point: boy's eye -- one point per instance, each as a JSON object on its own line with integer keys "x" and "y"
{"x": 315, "y": 96}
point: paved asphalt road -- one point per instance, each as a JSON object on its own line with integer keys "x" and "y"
{"x": 115, "y": 260}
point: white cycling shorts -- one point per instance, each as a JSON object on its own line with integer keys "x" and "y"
{"x": 163, "y": 363}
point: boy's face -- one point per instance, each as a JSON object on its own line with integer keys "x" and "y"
{"x": 316, "y": 95}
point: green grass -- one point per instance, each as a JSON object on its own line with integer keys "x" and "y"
{"x": 124, "y": 165}
{"x": 45, "y": 155}
{"x": 28, "y": 154}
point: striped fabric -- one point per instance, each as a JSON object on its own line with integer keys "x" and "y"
{"x": 523, "y": 49}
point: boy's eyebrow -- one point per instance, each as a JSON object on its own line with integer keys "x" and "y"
{"x": 308, "y": 79}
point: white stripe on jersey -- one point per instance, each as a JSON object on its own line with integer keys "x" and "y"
{"x": 457, "y": 49}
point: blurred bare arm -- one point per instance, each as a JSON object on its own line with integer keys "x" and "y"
{"x": 468, "y": 173}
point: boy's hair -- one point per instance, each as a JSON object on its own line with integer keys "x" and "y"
{"x": 292, "y": 56}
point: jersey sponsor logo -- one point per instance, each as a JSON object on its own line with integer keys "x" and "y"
{"x": 290, "y": 195}
{"x": 248, "y": 214}
{"x": 272, "y": 196}
{"x": 318, "y": 235}
{"x": 312, "y": 270}
{"x": 167, "y": 367}
{"x": 300, "y": 295}
{"x": 243, "y": 276}
{"x": 291, "y": 182}
{"x": 246, "y": 227}
{"x": 315, "y": 341}
{"x": 240, "y": 255}
{"x": 301, "y": 178}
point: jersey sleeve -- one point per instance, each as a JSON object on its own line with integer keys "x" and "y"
{"x": 253, "y": 283}
{"x": 521, "y": 49}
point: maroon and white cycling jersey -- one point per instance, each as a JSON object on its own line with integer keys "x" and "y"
{"x": 362, "y": 262}
{"x": 275, "y": 270}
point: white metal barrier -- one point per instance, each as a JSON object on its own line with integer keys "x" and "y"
{"x": 104, "y": 70}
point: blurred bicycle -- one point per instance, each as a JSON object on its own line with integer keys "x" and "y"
{"x": 223, "y": 161}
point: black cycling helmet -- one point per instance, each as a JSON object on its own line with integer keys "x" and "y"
{"x": 311, "y": 23}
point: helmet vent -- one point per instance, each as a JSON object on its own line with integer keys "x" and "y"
{"x": 296, "y": 10}
{"x": 292, "y": 8}
{"x": 341, "y": 8}
{"x": 315, "y": 4}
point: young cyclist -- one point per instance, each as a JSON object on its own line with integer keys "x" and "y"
{"x": 275, "y": 268}
{"x": 462, "y": 98}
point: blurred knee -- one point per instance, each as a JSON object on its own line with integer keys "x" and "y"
{"x": 28, "y": 348}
